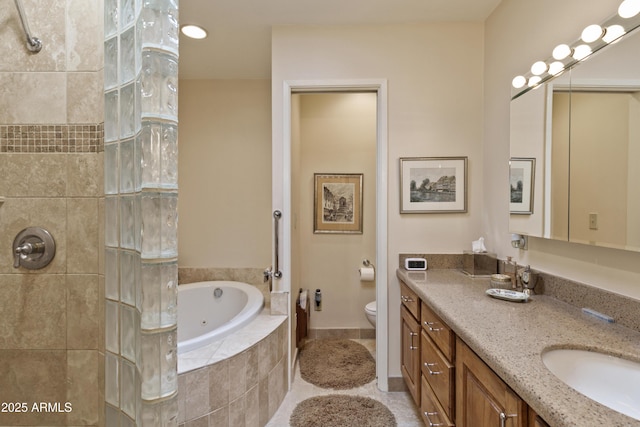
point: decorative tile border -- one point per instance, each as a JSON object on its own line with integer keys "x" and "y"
{"x": 61, "y": 138}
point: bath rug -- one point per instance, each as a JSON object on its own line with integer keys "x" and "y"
{"x": 336, "y": 410}
{"x": 336, "y": 364}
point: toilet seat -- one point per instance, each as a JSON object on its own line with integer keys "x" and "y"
{"x": 371, "y": 308}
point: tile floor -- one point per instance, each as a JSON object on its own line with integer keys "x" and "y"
{"x": 400, "y": 403}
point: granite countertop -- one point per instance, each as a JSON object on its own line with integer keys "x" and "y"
{"x": 511, "y": 337}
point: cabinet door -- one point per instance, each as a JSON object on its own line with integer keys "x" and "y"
{"x": 482, "y": 398}
{"x": 410, "y": 335}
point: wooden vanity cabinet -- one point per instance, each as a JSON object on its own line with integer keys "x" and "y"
{"x": 483, "y": 399}
{"x": 450, "y": 383}
{"x": 410, "y": 340}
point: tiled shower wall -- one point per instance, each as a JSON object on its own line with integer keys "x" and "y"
{"x": 51, "y": 175}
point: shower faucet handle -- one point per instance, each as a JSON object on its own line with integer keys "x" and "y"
{"x": 33, "y": 248}
{"x": 27, "y": 249}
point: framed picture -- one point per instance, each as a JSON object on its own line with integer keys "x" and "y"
{"x": 433, "y": 184}
{"x": 521, "y": 179}
{"x": 337, "y": 203}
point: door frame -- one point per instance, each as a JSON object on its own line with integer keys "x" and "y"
{"x": 379, "y": 86}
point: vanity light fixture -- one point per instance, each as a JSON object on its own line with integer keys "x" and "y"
{"x": 534, "y": 81}
{"x": 556, "y": 68}
{"x": 629, "y": 8}
{"x": 581, "y": 52}
{"x": 539, "y": 68}
{"x": 613, "y": 33}
{"x": 561, "y": 52}
{"x": 194, "y": 31}
{"x": 592, "y": 33}
{"x": 593, "y": 38}
{"x": 519, "y": 81}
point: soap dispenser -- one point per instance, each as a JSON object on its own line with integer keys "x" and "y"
{"x": 511, "y": 270}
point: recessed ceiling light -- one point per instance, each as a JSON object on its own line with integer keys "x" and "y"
{"x": 194, "y": 31}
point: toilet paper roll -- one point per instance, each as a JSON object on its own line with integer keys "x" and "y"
{"x": 367, "y": 274}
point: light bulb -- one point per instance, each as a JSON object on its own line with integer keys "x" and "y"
{"x": 194, "y": 31}
{"x": 518, "y": 82}
{"x": 539, "y": 68}
{"x": 592, "y": 33}
{"x": 581, "y": 52}
{"x": 561, "y": 52}
{"x": 614, "y": 32}
{"x": 629, "y": 8}
{"x": 533, "y": 81}
{"x": 556, "y": 68}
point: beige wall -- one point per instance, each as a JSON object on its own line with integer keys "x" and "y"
{"x": 51, "y": 333}
{"x": 337, "y": 134}
{"x": 434, "y": 74}
{"x": 633, "y": 197}
{"x": 512, "y": 45}
{"x": 225, "y": 174}
{"x": 598, "y": 182}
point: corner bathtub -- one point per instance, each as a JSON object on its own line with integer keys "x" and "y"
{"x": 204, "y": 317}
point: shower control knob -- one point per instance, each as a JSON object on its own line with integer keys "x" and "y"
{"x": 33, "y": 248}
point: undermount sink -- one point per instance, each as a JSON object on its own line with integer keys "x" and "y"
{"x": 609, "y": 380}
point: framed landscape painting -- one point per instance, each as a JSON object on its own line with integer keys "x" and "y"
{"x": 337, "y": 203}
{"x": 433, "y": 184}
{"x": 521, "y": 179}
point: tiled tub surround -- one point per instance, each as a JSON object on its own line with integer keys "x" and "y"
{"x": 510, "y": 338}
{"x": 238, "y": 381}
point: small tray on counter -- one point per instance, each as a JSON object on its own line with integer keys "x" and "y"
{"x": 507, "y": 295}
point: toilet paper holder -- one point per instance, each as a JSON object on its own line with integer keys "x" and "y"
{"x": 367, "y": 272}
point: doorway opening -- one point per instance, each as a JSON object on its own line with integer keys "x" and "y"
{"x": 326, "y": 132}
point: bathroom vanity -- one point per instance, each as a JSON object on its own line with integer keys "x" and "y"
{"x": 470, "y": 360}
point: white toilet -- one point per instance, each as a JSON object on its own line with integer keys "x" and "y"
{"x": 370, "y": 311}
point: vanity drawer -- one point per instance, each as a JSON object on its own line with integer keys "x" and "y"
{"x": 431, "y": 411}
{"x": 439, "y": 373}
{"x": 410, "y": 300}
{"x": 438, "y": 331}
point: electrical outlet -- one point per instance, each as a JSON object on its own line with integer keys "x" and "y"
{"x": 593, "y": 221}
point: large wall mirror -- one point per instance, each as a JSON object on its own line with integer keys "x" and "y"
{"x": 582, "y": 131}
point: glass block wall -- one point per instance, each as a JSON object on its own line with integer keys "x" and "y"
{"x": 141, "y": 195}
